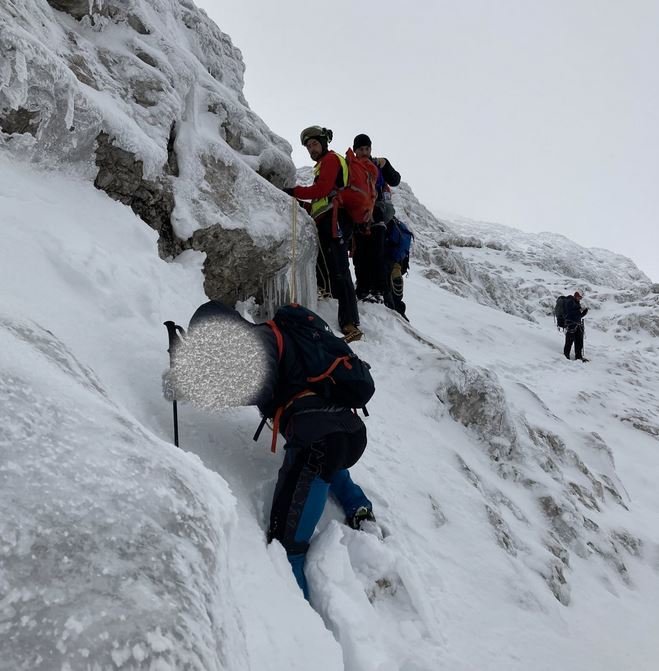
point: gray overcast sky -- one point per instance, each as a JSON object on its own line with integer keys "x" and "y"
{"x": 538, "y": 114}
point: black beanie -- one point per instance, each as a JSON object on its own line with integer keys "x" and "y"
{"x": 361, "y": 140}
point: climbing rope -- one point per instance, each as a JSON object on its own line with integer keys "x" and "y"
{"x": 294, "y": 205}
{"x": 324, "y": 274}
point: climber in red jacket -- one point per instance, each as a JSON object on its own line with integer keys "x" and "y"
{"x": 334, "y": 232}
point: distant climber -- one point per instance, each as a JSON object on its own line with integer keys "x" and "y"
{"x": 334, "y": 229}
{"x": 574, "y": 328}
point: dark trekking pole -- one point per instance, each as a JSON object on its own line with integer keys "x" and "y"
{"x": 174, "y": 333}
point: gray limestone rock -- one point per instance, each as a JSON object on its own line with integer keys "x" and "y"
{"x": 20, "y": 121}
{"x": 121, "y": 176}
{"x": 76, "y": 8}
{"x": 475, "y": 398}
{"x": 171, "y": 134}
{"x": 235, "y": 266}
{"x": 504, "y": 535}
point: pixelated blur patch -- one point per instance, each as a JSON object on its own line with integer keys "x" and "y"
{"x": 221, "y": 363}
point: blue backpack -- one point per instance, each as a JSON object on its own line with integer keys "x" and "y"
{"x": 398, "y": 241}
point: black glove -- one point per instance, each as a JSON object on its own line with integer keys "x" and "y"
{"x": 289, "y": 190}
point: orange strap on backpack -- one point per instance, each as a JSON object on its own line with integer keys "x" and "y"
{"x": 345, "y": 360}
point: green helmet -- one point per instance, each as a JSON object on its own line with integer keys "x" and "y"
{"x": 317, "y": 132}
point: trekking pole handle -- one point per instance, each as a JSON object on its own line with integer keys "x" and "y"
{"x": 174, "y": 331}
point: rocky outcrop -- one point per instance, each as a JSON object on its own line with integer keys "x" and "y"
{"x": 474, "y": 398}
{"x": 549, "y": 491}
{"x": 78, "y": 9}
{"x": 235, "y": 267}
{"x": 121, "y": 176}
{"x": 98, "y": 10}
{"x": 146, "y": 99}
{"x": 19, "y": 121}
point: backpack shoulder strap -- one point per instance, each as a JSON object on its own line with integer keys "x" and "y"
{"x": 278, "y": 413}
{"x": 278, "y": 337}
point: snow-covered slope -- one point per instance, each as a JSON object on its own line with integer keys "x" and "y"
{"x": 515, "y": 487}
{"x": 116, "y": 548}
{"x": 522, "y": 273}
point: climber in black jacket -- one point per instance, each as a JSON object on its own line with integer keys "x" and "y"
{"x": 574, "y": 326}
{"x": 372, "y": 269}
{"x": 323, "y": 439}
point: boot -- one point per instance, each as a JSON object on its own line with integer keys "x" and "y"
{"x": 362, "y": 514}
{"x": 397, "y": 280}
{"x": 351, "y": 332}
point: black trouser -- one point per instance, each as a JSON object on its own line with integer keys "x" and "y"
{"x": 370, "y": 262}
{"x": 574, "y": 334}
{"x": 309, "y": 473}
{"x": 304, "y": 463}
{"x": 333, "y": 266}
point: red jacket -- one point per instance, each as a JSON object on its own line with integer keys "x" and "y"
{"x": 325, "y": 182}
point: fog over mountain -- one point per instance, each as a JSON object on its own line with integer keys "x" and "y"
{"x": 515, "y": 488}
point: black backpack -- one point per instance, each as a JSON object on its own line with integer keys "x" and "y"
{"x": 332, "y": 369}
{"x": 559, "y": 311}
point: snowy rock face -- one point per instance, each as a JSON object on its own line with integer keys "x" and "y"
{"x": 145, "y": 97}
{"x": 523, "y": 274}
{"x": 541, "y": 491}
{"x": 570, "y": 476}
{"x": 568, "y": 486}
